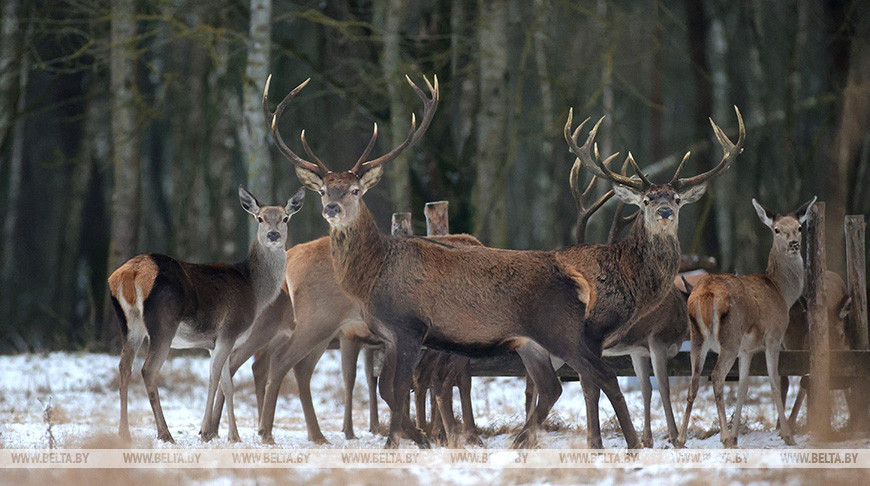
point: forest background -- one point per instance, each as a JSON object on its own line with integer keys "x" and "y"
{"x": 126, "y": 126}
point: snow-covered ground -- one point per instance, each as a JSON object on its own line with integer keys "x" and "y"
{"x": 83, "y": 391}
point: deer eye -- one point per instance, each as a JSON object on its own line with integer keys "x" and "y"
{"x": 677, "y": 200}
{"x": 800, "y": 229}
{"x": 355, "y": 191}
{"x": 259, "y": 219}
{"x": 322, "y": 192}
{"x": 286, "y": 218}
{"x": 646, "y": 202}
{"x": 776, "y": 230}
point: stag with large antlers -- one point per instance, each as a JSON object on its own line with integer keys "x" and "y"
{"x": 634, "y": 275}
{"x": 475, "y": 301}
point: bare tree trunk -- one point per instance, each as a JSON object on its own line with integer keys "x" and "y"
{"x": 125, "y": 205}
{"x": 726, "y": 184}
{"x": 253, "y": 131}
{"x": 543, "y": 219}
{"x": 16, "y": 163}
{"x": 9, "y": 48}
{"x": 697, "y": 26}
{"x": 489, "y": 199}
{"x": 223, "y": 204}
{"x": 400, "y": 175}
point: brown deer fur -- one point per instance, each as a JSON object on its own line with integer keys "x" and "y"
{"x": 737, "y": 316}
{"x": 184, "y": 305}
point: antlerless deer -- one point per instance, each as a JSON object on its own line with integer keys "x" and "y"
{"x": 475, "y": 301}
{"x": 737, "y": 316}
{"x": 181, "y": 305}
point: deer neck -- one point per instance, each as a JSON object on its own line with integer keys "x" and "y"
{"x": 653, "y": 259}
{"x": 358, "y": 252}
{"x": 266, "y": 267}
{"x": 786, "y": 271}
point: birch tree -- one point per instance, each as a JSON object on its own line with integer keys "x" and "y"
{"x": 253, "y": 127}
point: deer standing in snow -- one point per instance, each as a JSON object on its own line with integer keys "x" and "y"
{"x": 183, "y": 305}
{"x": 737, "y": 316}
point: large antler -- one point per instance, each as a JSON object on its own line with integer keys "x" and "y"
{"x": 731, "y": 151}
{"x": 585, "y": 207}
{"x": 429, "y": 107}
{"x": 272, "y": 119}
{"x": 593, "y": 163}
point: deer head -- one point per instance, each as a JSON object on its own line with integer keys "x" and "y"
{"x": 659, "y": 204}
{"x": 271, "y": 220}
{"x": 787, "y": 230}
{"x": 341, "y": 192}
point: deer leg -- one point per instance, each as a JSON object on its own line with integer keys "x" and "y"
{"x": 463, "y": 382}
{"x": 798, "y": 401}
{"x": 125, "y": 369}
{"x": 659, "y": 358}
{"x": 372, "y": 380}
{"x": 783, "y": 392}
{"x": 771, "y": 355}
{"x": 219, "y": 356}
{"x": 299, "y": 345}
{"x": 723, "y": 365}
{"x": 237, "y": 358}
{"x": 591, "y": 395}
{"x": 449, "y": 429}
{"x": 531, "y": 395}
{"x": 547, "y": 386}
{"x": 743, "y": 360}
{"x": 158, "y": 350}
{"x": 303, "y": 371}
{"x": 226, "y": 386}
{"x": 641, "y": 365}
{"x": 350, "y": 349}
{"x": 261, "y": 368}
{"x": 408, "y": 347}
{"x": 697, "y": 355}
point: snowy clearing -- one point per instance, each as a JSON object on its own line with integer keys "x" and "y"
{"x": 83, "y": 390}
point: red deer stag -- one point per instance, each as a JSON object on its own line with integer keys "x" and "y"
{"x": 634, "y": 275}
{"x": 185, "y": 305}
{"x": 443, "y": 289}
{"x": 737, "y": 316}
{"x": 322, "y": 311}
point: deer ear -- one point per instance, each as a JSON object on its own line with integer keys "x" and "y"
{"x": 803, "y": 212}
{"x": 309, "y": 179}
{"x": 693, "y": 193}
{"x": 371, "y": 178}
{"x": 765, "y": 215}
{"x": 294, "y": 204}
{"x": 249, "y": 202}
{"x": 628, "y": 195}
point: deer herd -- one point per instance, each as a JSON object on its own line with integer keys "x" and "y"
{"x": 461, "y": 299}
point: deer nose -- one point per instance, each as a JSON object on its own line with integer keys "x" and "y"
{"x": 332, "y": 209}
{"x": 273, "y": 236}
{"x": 665, "y": 213}
{"x": 794, "y": 245}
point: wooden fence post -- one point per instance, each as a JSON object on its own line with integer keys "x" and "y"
{"x": 857, "y": 331}
{"x": 401, "y": 224}
{"x": 856, "y": 279}
{"x": 819, "y": 400}
{"x": 437, "y": 219}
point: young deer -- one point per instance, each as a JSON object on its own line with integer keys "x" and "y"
{"x": 737, "y": 316}
{"x": 417, "y": 291}
{"x": 180, "y": 305}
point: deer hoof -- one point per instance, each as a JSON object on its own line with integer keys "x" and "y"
{"x": 207, "y": 436}
{"x": 349, "y": 435}
{"x": 729, "y": 442}
{"x": 474, "y": 440}
{"x": 391, "y": 443}
{"x": 524, "y": 440}
{"x": 268, "y": 439}
{"x": 789, "y": 440}
{"x": 647, "y": 440}
{"x": 166, "y": 437}
{"x": 320, "y": 440}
